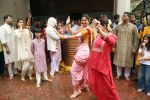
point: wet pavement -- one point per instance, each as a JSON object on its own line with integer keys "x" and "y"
{"x": 59, "y": 89}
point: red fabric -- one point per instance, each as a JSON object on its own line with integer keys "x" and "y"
{"x": 99, "y": 70}
{"x": 43, "y": 34}
{"x": 44, "y": 37}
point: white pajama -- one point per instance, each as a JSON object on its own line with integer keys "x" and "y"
{"x": 126, "y": 73}
{"x": 11, "y": 69}
{"x": 26, "y": 66}
{"x": 57, "y": 65}
{"x": 54, "y": 64}
{"x": 38, "y": 76}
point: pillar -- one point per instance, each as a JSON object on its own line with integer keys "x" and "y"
{"x": 121, "y": 6}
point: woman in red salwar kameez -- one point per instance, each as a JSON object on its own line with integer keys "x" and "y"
{"x": 100, "y": 78}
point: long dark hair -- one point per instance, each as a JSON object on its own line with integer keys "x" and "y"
{"x": 147, "y": 44}
{"x": 19, "y": 19}
{"x": 86, "y": 16}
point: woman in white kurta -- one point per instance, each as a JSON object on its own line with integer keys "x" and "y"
{"x": 23, "y": 45}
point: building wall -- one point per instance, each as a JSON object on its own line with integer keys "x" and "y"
{"x": 20, "y": 8}
{"x": 56, "y": 7}
{"x": 16, "y": 8}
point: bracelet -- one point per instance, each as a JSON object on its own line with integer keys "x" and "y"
{"x": 62, "y": 37}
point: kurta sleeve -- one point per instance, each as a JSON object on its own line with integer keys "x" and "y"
{"x": 2, "y": 36}
{"x": 111, "y": 39}
{"x": 135, "y": 39}
{"x": 52, "y": 34}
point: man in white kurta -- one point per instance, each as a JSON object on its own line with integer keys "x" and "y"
{"x": 8, "y": 41}
{"x": 52, "y": 38}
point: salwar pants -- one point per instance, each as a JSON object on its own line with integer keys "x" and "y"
{"x": 26, "y": 66}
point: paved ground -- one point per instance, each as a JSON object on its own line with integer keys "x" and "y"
{"x": 59, "y": 89}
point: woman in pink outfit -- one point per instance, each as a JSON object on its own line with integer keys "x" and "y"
{"x": 79, "y": 66}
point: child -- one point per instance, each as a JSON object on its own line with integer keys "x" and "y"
{"x": 38, "y": 50}
{"x": 144, "y": 72}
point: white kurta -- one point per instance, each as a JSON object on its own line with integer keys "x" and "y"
{"x": 52, "y": 38}
{"x": 8, "y": 36}
{"x": 23, "y": 45}
{"x": 51, "y": 35}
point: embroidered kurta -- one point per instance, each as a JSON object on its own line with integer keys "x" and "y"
{"x": 23, "y": 45}
{"x": 100, "y": 78}
{"x": 38, "y": 50}
{"x": 126, "y": 46}
{"x": 8, "y": 36}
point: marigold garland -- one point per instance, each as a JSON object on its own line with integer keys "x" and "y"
{"x": 64, "y": 68}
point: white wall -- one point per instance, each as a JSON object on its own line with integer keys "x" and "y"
{"x": 16, "y": 8}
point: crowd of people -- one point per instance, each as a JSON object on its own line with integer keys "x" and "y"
{"x": 102, "y": 44}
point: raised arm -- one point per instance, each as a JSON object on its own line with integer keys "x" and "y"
{"x": 78, "y": 35}
{"x": 108, "y": 37}
{"x": 28, "y": 24}
{"x": 68, "y": 26}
